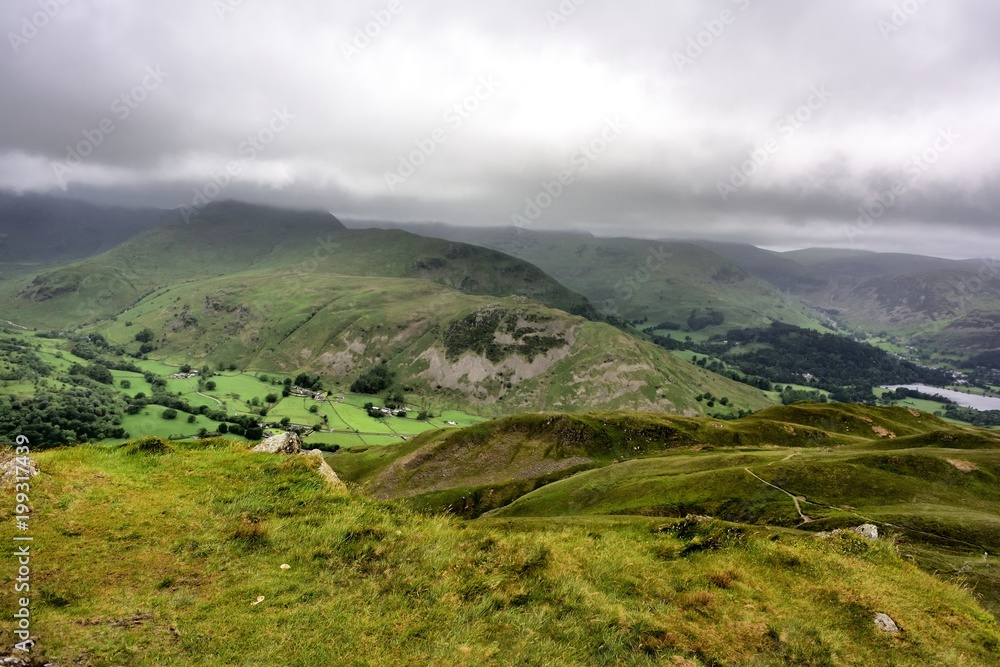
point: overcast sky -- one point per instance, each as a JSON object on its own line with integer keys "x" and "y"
{"x": 769, "y": 122}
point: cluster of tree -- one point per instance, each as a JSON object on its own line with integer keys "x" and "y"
{"x": 23, "y": 362}
{"x": 82, "y": 412}
{"x": 791, "y": 395}
{"x": 667, "y": 326}
{"x": 902, "y": 393}
{"x": 707, "y": 396}
{"x": 307, "y": 381}
{"x": 786, "y": 353}
{"x": 374, "y": 381}
{"x": 96, "y": 372}
{"x": 984, "y": 418}
{"x": 697, "y": 322}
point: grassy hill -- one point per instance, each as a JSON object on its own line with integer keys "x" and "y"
{"x": 173, "y": 554}
{"x": 497, "y": 355}
{"x": 930, "y": 484}
{"x": 637, "y": 279}
{"x": 231, "y": 237}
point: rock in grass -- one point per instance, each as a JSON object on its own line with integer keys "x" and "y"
{"x": 884, "y": 623}
{"x": 326, "y": 471}
{"x": 285, "y": 443}
{"x": 868, "y": 531}
{"x": 12, "y": 467}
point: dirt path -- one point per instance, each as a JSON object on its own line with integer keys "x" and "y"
{"x": 18, "y": 326}
{"x": 795, "y": 499}
{"x": 211, "y": 397}
{"x": 790, "y": 456}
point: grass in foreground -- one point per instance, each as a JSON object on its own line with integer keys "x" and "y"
{"x": 156, "y": 556}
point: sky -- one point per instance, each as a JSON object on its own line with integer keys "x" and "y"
{"x": 870, "y": 124}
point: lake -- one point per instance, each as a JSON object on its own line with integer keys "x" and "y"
{"x": 965, "y": 400}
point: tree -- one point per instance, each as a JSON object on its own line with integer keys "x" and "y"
{"x": 192, "y": 419}
{"x": 210, "y": 385}
{"x": 314, "y": 409}
{"x": 286, "y": 422}
{"x": 169, "y": 413}
{"x": 271, "y": 398}
{"x": 145, "y": 336}
{"x": 126, "y": 384}
{"x": 186, "y": 368}
{"x": 223, "y": 428}
{"x": 374, "y": 380}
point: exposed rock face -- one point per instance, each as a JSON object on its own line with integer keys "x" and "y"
{"x": 326, "y": 471}
{"x": 9, "y": 465}
{"x": 286, "y": 443}
{"x": 884, "y": 623}
{"x": 867, "y": 531}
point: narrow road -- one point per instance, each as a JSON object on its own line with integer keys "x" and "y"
{"x": 16, "y": 325}
{"x": 795, "y": 499}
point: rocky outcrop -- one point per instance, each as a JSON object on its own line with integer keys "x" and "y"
{"x": 12, "y": 467}
{"x": 326, "y": 471}
{"x": 285, "y": 443}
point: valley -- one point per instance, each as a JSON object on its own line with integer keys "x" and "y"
{"x": 611, "y": 446}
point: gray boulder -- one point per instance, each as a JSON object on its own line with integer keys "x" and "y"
{"x": 868, "y": 531}
{"x": 285, "y": 443}
{"x": 884, "y": 623}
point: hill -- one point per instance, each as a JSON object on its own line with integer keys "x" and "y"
{"x": 929, "y": 484}
{"x": 652, "y": 282}
{"x": 494, "y": 355}
{"x": 236, "y": 558}
{"x": 942, "y": 308}
{"x": 231, "y": 237}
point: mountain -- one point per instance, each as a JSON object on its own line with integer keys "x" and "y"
{"x": 231, "y": 237}
{"x": 653, "y": 282}
{"x": 36, "y": 229}
{"x": 294, "y": 291}
{"x": 494, "y": 354}
{"x": 945, "y": 308}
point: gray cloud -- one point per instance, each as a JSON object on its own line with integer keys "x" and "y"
{"x": 702, "y": 87}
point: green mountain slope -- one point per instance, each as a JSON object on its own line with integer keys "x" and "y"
{"x": 497, "y": 355}
{"x": 230, "y": 237}
{"x": 664, "y": 281}
{"x": 929, "y": 484}
{"x": 236, "y": 558}
{"x": 938, "y": 305}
